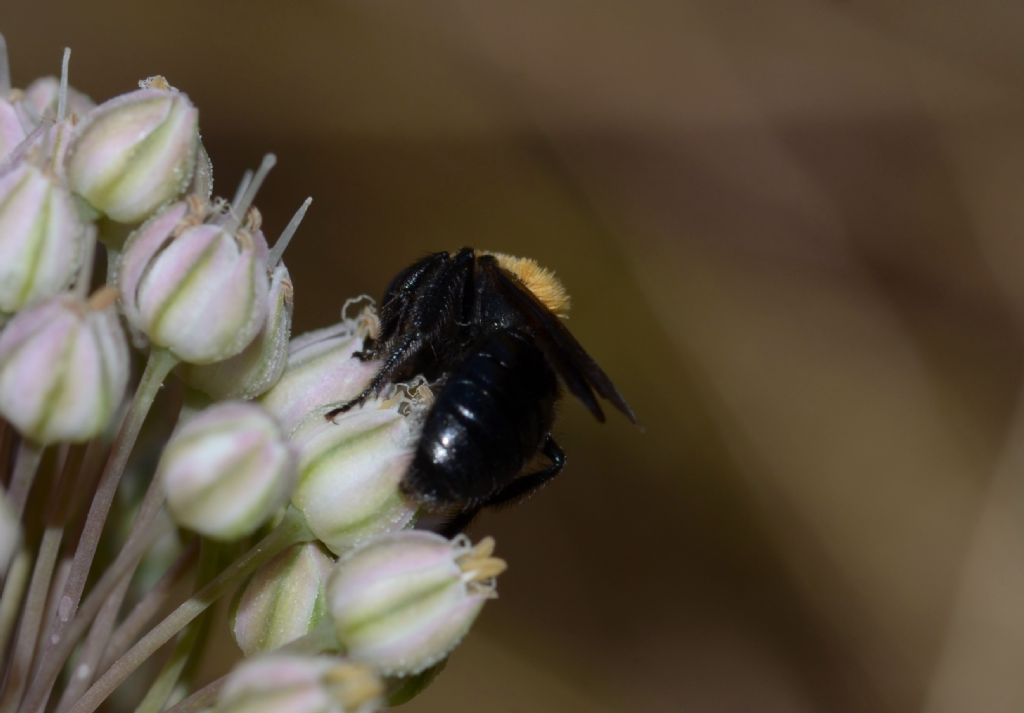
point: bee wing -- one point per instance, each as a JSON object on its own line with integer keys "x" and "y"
{"x": 578, "y": 369}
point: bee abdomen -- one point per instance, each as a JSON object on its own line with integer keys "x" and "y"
{"x": 488, "y": 420}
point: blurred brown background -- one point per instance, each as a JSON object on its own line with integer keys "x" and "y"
{"x": 792, "y": 231}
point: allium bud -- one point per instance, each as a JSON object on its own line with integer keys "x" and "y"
{"x": 12, "y": 128}
{"x": 404, "y": 601}
{"x": 227, "y": 470}
{"x": 42, "y": 96}
{"x": 350, "y": 468}
{"x": 288, "y": 683}
{"x": 132, "y": 154}
{"x": 41, "y": 236}
{"x": 10, "y": 532}
{"x": 63, "y": 368}
{"x": 196, "y": 288}
{"x": 284, "y": 600}
{"x": 322, "y": 370}
{"x": 259, "y": 365}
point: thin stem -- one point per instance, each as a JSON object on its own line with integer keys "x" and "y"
{"x": 5, "y": 69}
{"x": 189, "y": 642}
{"x": 85, "y": 667}
{"x": 277, "y": 252}
{"x": 201, "y": 699}
{"x": 240, "y": 207}
{"x": 66, "y": 631}
{"x": 144, "y": 533}
{"x": 129, "y": 629}
{"x": 88, "y": 257}
{"x": 10, "y": 600}
{"x": 292, "y": 530}
{"x": 243, "y": 186}
{"x": 103, "y": 626}
{"x": 158, "y": 366}
{"x": 62, "y": 93}
{"x": 32, "y": 616}
{"x": 165, "y": 681}
{"x": 25, "y": 466}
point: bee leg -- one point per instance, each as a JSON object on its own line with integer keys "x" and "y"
{"x": 525, "y": 485}
{"x": 391, "y": 364}
{"x": 458, "y": 523}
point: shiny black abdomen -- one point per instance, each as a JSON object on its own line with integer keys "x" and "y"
{"x": 489, "y": 419}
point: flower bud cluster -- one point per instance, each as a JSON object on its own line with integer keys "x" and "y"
{"x": 196, "y": 284}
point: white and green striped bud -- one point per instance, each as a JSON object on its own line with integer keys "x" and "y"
{"x": 259, "y": 366}
{"x": 291, "y": 683}
{"x": 42, "y": 97}
{"x": 136, "y": 152}
{"x": 64, "y": 367}
{"x": 284, "y": 600}
{"x": 194, "y": 284}
{"x": 322, "y": 370}
{"x": 350, "y": 468}
{"x": 12, "y": 128}
{"x": 42, "y": 236}
{"x": 227, "y": 470}
{"x": 403, "y": 602}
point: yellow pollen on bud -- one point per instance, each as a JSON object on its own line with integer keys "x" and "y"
{"x": 156, "y": 82}
{"x": 354, "y": 685}
{"x": 103, "y": 298}
{"x": 478, "y": 564}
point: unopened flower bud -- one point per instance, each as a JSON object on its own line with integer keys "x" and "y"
{"x": 403, "y": 602}
{"x": 259, "y": 365}
{"x": 12, "y": 128}
{"x": 350, "y": 468}
{"x": 132, "y": 154}
{"x": 284, "y": 600}
{"x": 41, "y": 236}
{"x": 63, "y": 368}
{"x": 42, "y": 96}
{"x": 290, "y": 683}
{"x": 227, "y": 470}
{"x": 10, "y": 532}
{"x": 322, "y": 370}
{"x": 196, "y": 288}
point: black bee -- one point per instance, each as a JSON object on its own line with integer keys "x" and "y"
{"x": 484, "y": 328}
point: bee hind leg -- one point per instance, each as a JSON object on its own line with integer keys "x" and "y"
{"x": 519, "y": 489}
{"x": 525, "y": 485}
